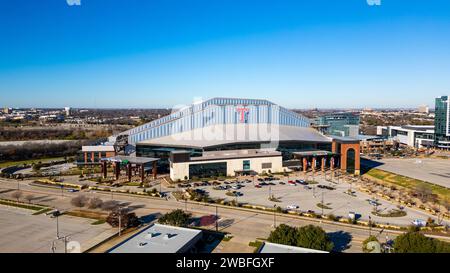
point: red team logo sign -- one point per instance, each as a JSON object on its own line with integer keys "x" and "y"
{"x": 243, "y": 114}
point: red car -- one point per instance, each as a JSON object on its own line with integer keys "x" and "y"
{"x": 258, "y": 186}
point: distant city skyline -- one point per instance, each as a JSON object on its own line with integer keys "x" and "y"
{"x": 155, "y": 54}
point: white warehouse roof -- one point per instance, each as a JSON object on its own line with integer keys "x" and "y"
{"x": 159, "y": 239}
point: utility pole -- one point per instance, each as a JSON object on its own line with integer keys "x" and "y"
{"x": 56, "y": 215}
{"x": 322, "y": 203}
{"x": 120, "y": 221}
{"x": 370, "y": 226}
{"x": 274, "y": 216}
{"x": 217, "y": 219}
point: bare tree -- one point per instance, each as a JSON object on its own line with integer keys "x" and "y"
{"x": 29, "y": 198}
{"x": 17, "y": 194}
{"x": 424, "y": 192}
{"x": 79, "y": 201}
{"x": 110, "y": 205}
{"x": 95, "y": 203}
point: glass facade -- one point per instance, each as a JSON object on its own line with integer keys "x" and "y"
{"x": 207, "y": 170}
{"x": 442, "y": 122}
{"x": 338, "y": 124}
{"x": 286, "y": 149}
{"x": 246, "y": 165}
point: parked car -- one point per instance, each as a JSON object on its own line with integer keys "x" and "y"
{"x": 292, "y": 207}
{"x": 292, "y": 183}
{"x": 325, "y": 187}
{"x": 419, "y": 223}
{"x": 282, "y": 183}
{"x": 72, "y": 190}
{"x": 258, "y": 186}
{"x": 301, "y": 182}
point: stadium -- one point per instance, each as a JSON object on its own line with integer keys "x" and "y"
{"x": 227, "y": 136}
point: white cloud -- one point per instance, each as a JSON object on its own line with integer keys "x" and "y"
{"x": 73, "y": 2}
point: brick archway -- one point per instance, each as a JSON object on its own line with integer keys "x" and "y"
{"x": 342, "y": 147}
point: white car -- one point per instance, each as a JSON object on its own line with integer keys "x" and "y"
{"x": 419, "y": 223}
{"x": 292, "y": 207}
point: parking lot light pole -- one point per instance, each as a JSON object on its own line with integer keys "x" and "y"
{"x": 322, "y": 203}
{"x": 217, "y": 219}
{"x": 274, "y": 216}
{"x": 120, "y": 221}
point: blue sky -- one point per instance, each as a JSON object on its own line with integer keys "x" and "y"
{"x": 300, "y": 54}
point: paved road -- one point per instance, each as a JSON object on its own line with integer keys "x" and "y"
{"x": 245, "y": 226}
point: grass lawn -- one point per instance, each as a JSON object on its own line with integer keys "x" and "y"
{"x": 16, "y": 204}
{"x": 13, "y": 163}
{"x": 407, "y": 182}
{"x": 95, "y": 215}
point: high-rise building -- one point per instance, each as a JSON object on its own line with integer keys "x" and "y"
{"x": 338, "y": 124}
{"x": 6, "y": 110}
{"x": 442, "y": 123}
{"x": 67, "y": 110}
{"x": 423, "y": 109}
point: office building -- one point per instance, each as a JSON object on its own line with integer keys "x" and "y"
{"x": 442, "y": 123}
{"x": 415, "y": 136}
{"x": 343, "y": 124}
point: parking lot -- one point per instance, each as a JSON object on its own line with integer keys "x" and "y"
{"x": 305, "y": 198}
{"x": 23, "y": 232}
{"x": 432, "y": 170}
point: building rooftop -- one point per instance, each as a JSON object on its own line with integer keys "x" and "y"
{"x": 159, "y": 239}
{"x": 228, "y": 154}
{"x": 221, "y": 134}
{"x": 312, "y": 153}
{"x": 98, "y": 148}
{"x": 279, "y": 248}
{"x": 130, "y": 159}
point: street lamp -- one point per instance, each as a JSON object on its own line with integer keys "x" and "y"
{"x": 217, "y": 219}
{"x": 56, "y": 214}
{"x": 274, "y": 216}
{"x": 120, "y": 221}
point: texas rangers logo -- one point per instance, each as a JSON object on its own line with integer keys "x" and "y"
{"x": 243, "y": 111}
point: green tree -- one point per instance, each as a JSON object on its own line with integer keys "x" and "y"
{"x": 284, "y": 234}
{"x": 124, "y": 217}
{"x": 366, "y": 241}
{"x": 416, "y": 242}
{"x": 314, "y": 237}
{"x": 176, "y": 217}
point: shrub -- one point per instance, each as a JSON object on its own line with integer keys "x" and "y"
{"x": 176, "y": 217}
